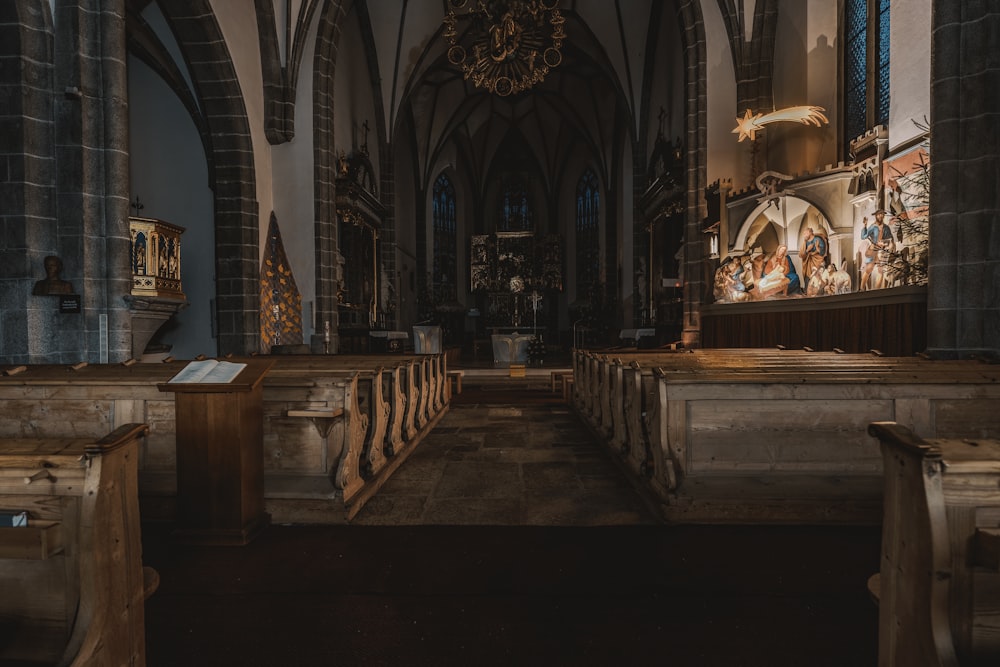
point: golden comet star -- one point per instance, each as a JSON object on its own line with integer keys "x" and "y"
{"x": 750, "y": 124}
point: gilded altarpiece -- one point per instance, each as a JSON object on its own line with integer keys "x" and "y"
{"x": 516, "y": 278}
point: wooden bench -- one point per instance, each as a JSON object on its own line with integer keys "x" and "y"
{"x": 455, "y": 377}
{"x": 776, "y": 435}
{"x": 311, "y": 464}
{"x": 939, "y": 582}
{"x": 72, "y": 581}
{"x": 567, "y": 388}
{"x": 557, "y": 378}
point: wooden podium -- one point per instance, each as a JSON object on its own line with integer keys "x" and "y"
{"x": 220, "y": 458}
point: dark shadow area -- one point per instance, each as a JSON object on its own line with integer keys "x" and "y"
{"x": 476, "y": 595}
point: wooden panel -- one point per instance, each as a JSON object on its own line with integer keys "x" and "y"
{"x": 31, "y": 418}
{"x": 292, "y": 445}
{"x": 38, "y": 540}
{"x": 780, "y": 435}
{"x": 897, "y": 329}
{"x": 220, "y": 485}
{"x": 159, "y": 449}
{"x": 969, "y": 418}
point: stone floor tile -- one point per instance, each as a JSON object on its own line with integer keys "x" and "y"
{"x": 479, "y": 479}
{"x": 474, "y": 511}
{"x": 526, "y": 461}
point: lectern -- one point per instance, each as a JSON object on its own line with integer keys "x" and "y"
{"x": 220, "y": 457}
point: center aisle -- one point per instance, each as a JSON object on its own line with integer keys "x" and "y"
{"x": 540, "y": 554}
{"x": 508, "y": 452}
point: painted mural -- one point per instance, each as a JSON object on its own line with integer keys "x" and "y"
{"x": 788, "y": 249}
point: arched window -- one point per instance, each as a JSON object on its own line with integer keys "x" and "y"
{"x": 515, "y": 212}
{"x": 588, "y": 238}
{"x": 445, "y": 261}
{"x": 866, "y": 40}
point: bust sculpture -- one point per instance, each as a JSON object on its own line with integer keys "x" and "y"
{"x": 52, "y": 284}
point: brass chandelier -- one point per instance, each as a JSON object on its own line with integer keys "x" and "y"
{"x": 510, "y": 45}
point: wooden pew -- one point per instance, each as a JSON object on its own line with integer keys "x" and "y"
{"x": 787, "y": 428}
{"x": 321, "y": 442}
{"x": 397, "y": 404}
{"x": 939, "y": 581}
{"x": 72, "y": 581}
{"x": 415, "y": 386}
{"x": 330, "y": 402}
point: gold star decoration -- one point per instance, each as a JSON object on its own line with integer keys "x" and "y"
{"x": 750, "y": 124}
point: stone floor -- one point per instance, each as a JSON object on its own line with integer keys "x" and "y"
{"x": 509, "y": 537}
{"x": 508, "y": 452}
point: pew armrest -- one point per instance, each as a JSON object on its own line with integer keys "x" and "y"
{"x": 323, "y": 419}
{"x": 331, "y": 413}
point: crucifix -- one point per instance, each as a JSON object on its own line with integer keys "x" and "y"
{"x": 536, "y": 300}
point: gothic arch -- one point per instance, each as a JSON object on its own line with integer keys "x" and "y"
{"x": 231, "y": 172}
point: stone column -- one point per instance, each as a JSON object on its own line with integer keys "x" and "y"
{"x": 92, "y": 174}
{"x": 964, "y": 265}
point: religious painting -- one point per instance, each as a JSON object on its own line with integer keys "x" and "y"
{"x": 783, "y": 250}
{"x": 549, "y": 263}
{"x": 907, "y": 197}
{"x": 481, "y": 272}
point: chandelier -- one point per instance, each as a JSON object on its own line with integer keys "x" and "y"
{"x": 510, "y": 45}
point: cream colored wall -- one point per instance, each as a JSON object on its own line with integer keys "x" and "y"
{"x": 238, "y": 23}
{"x": 910, "y": 69}
{"x": 726, "y": 158}
{"x": 293, "y": 191}
{"x": 805, "y": 73}
{"x": 352, "y": 96}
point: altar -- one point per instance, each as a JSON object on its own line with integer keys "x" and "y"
{"x": 510, "y": 348}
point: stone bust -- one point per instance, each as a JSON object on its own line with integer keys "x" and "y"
{"x": 52, "y": 284}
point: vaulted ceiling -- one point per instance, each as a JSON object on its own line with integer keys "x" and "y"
{"x": 592, "y": 102}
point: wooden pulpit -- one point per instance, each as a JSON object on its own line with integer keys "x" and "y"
{"x": 220, "y": 457}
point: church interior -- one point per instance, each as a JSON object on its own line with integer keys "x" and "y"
{"x": 502, "y": 332}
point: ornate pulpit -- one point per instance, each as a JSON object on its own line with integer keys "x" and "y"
{"x": 156, "y": 278}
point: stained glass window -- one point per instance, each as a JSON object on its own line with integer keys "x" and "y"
{"x": 882, "y": 95}
{"x": 445, "y": 241}
{"x": 515, "y": 211}
{"x": 866, "y": 49}
{"x": 856, "y": 50}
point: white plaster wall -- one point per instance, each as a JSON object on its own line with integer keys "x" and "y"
{"x": 238, "y": 23}
{"x": 726, "y": 157}
{"x": 352, "y": 101}
{"x": 805, "y": 73}
{"x": 910, "y": 69}
{"x": 293, "y": 191}
{"x": 169, "y": 173}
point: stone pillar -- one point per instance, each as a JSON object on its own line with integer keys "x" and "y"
{"x": 964, "y": 265}
{"x": 92, "y": 175}
{"x": 27, "y": 185}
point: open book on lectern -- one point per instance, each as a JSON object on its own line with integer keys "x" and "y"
{"x": 209, "y": 371}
